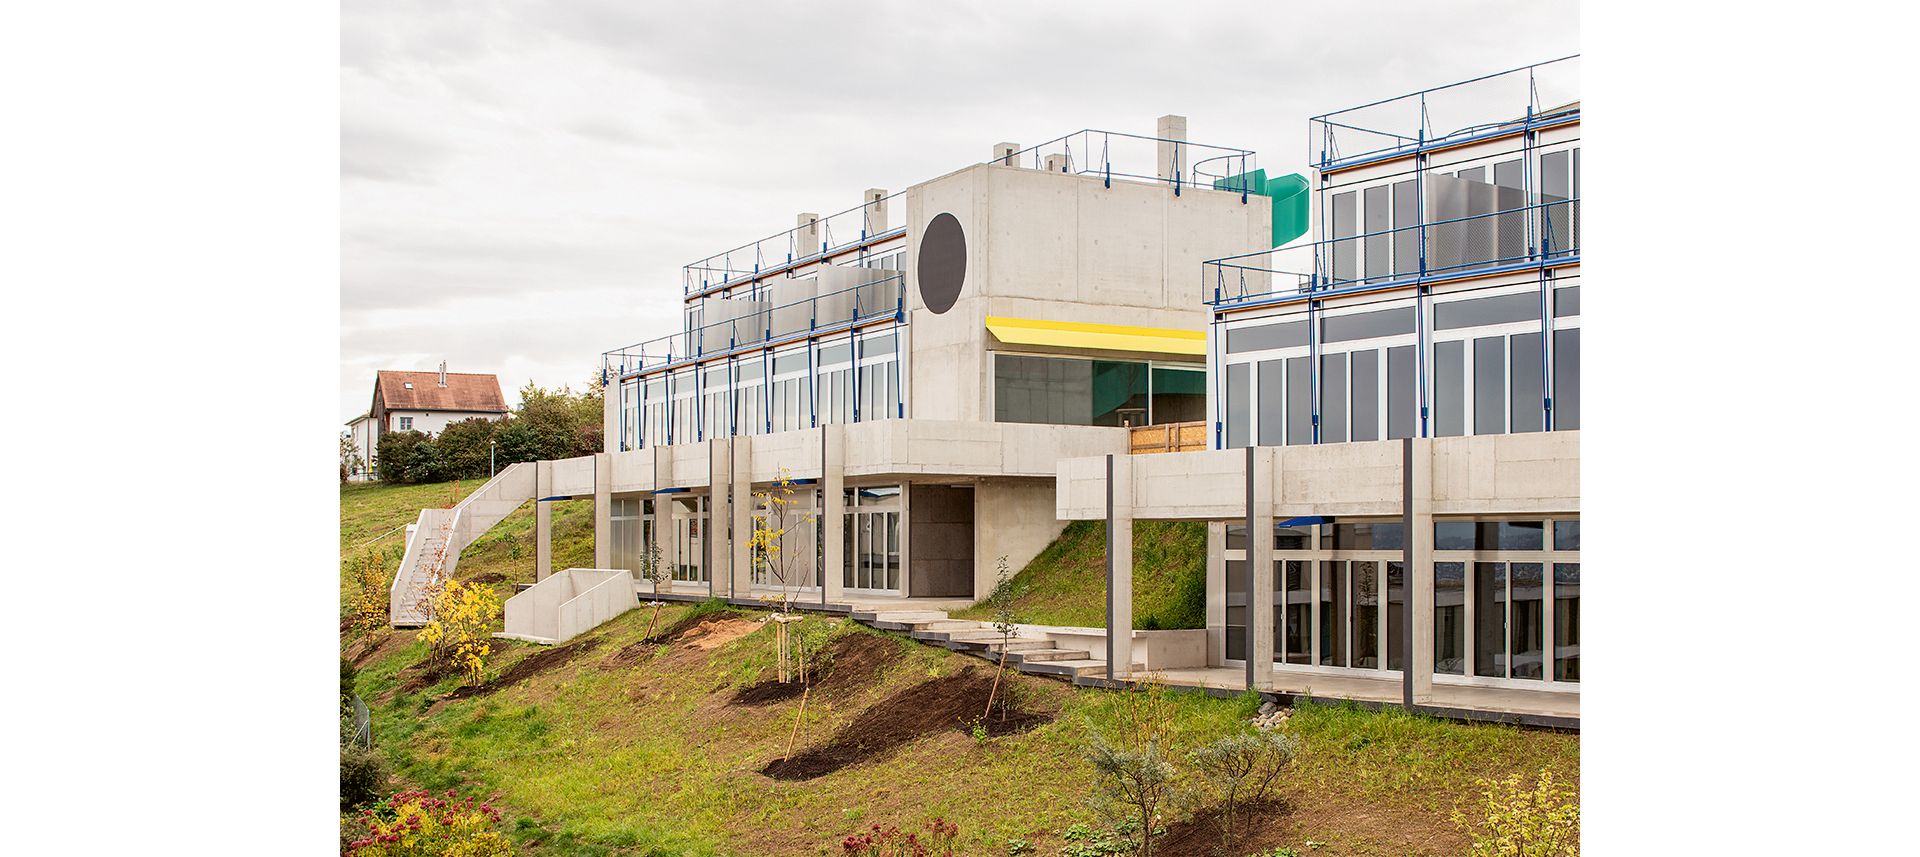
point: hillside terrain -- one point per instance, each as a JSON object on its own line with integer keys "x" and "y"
{"x": 675, "y": 740}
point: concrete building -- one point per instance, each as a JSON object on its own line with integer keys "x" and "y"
{"x": 913, "y": 367}
{"x": 1394, "y": 404}
{"x": 424, "y": 402}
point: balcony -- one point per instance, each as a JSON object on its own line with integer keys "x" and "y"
{"x": 1495, "y": 105}
{"x": 833, "y": 300}
{"x": 1526, "y": 236}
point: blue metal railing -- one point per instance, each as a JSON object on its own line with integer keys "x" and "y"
{"x": 760, "y": 322}
{"x": 1528, "y": 97}
{"x": 1531, "y": 236}
{"x": 868, "y": 223}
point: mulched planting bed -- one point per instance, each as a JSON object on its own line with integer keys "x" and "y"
{"x": 1199, "y": 836}
{"x": 935, "y": 705}
{"x": 853, "y": 661}
{"x": 528, "y": 667}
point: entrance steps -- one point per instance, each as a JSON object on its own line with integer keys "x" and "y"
{"x": 1028, "y": 653}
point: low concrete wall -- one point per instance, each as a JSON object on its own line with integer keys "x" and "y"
{"x": 573, "y": 477}
{"x": 568, "y": 603}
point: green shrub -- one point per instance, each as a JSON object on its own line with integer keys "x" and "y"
{"x": 363, "y": 777}
{"x": 408, "y": 458}
{"x": 461, "y": 448}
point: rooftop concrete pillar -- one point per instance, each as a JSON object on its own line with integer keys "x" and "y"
{"x": 542, "y": 520}
{"x": 1417, "y": 553}
{"x": 1119, "y": 566}
{"x": 1173, "y": 155}
{"x": 1056, "y": 163}
{"x": 1260, "y": 612}
{"x": 611, "y": 436}
{"x": 873, "y": 219}
{"x": 602, "y": 510}
{"x": 740, "y": 480}
{"x": 806, "y": 236}
{"x": 833, "y": 508}
{"x": 1003, "y": 153}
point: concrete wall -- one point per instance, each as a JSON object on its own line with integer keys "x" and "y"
{"x": 1012, "y": 518}
{"x": 568, "y": 604}
{"x": 1061, "y": 247}
{"x": 941, "y": 556}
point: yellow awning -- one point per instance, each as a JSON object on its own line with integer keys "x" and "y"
{"x": 1109, "y": 337}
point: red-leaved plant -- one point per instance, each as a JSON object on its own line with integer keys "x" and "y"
{"x": 889, "y": 841}
{"x": 417, "y": 824}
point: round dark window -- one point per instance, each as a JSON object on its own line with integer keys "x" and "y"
{"x": 943, "y": 262}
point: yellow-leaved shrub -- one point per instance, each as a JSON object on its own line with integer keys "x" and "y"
{"x": 1516, "y": 819}
{"x": 460, "y": 635}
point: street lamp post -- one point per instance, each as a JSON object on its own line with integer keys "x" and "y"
{"x": 490, "y": 445}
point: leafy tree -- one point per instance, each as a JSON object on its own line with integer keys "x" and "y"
{"x": 517, "y": 442}
{"x": 408, "y": 457}
{"x": 463, "y": 446}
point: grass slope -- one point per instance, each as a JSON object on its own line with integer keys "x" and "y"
{"x": 648, "y": 756}
{"x": 1066, "y": 583}
{"x": 378, "y": 513}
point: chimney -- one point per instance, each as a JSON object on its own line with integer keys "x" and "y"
{"x": 443, "y": 373}
{"x": 875, "y": 220}
{"x": 1003, "y": 153}
{"x": 1172, "y": 131}
{"x": 1057, "y": 163}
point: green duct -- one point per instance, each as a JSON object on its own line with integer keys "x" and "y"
{"x": 1289, "y": 195}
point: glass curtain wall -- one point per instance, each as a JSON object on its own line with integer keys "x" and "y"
{"x": 1503, "y": 590}
{"x": 873, "y": 538}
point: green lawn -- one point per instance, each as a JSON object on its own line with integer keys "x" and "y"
{"x": 647, "y": 757}
{"x": 1066, "y": 583}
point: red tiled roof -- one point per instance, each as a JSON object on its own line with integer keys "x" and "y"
{"x": 463, "y": 392}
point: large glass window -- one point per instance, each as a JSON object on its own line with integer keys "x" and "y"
{"x": 1299, "y": 402}
{"x": 1345, "y": 226}
{"x": 1333, "y": 398}
{"x": 1529, "y": 618}
{"x": 1396, "y": 615}
{"x": 1489, "y": 619}
{"x": 1566, "y": 535}
{"x": 1066, "y": 391}
{"x": 1292, "y": 643}
{"x": 872, "y": 542}
{"x": 1566, "y": 621}
{"x": 1237, "y": 584}
{"x": 1363, "y": 577}
{"x": 1364, "y": 537}
{"x": 1449, "y": 617}
{"x": 1489, "y": 386}
{"x": 1566, "y": 378}
{"x": 1529, "y": 386}
{"x": 1366, "y": 395}
{"x": 1179, "y": 395}
{"x": 1334, "y": 587}
{"x": 1272, "y": 402}
{"x": 1377, "y": 219}
{"x": 1400, "y": 392}
{"x": 1239, "y": 416}
{"x": 1450, "y": 388}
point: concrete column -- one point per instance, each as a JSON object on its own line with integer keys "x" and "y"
{"x": 1003, "y": 153}
{"x": 1216, "y": 593}
{"x": 1119, "y": 565}
{"x": 720, "y": 514}
{"x": 1173, "y": 156}
{"x": 602, "y": 510}
{"x": 542, "y": 520}
{"x": 741, "y": 473}
{"x": 1417, "y": 490}
{"x": 663, "y": 528}
{"x": 833, "y": 486}
{"x": 1260, "y": 611}
{"x": 874, "y": 217}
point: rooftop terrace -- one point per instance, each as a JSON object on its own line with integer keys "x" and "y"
{"x": 1501, "y": 103}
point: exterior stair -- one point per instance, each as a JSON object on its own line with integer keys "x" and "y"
{"x": 439, "y": 535}
{"x": 1028, "y": 654}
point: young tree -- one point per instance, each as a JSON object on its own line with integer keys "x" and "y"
{"x": 1005, "y": 593}
{"x": 771, "y": 522}
{"x": 1242, "y": 769}
{"x": 651, "y": 568}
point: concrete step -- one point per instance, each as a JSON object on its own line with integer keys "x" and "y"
{"x": 1039, "y": 655}
{"x": 1068, "y": 668}
{"x": 1019, "y": 645}
{"x": 946, "y": 625}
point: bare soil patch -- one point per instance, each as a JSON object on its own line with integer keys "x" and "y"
{"x": 419, "y": 677}
{"x": 528, "y": 667}
{"x": 1348, "y": 826}
{"x": 701, "y": 628}
{"x": 373, "y": 644}
{"x": 943, "y": 704}
{"x": 1259, "y": 826}
{"x": 852, "y": 662}
{"x": 490, "y": 577}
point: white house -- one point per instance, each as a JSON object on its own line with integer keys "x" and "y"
{"x": 425, "y": 402}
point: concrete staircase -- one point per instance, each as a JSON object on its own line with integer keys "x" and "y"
{"x": 436, "y": 539}
{"x": 1029, "y": 654}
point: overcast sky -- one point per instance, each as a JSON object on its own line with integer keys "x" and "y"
{"x": 521, "y": 181}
